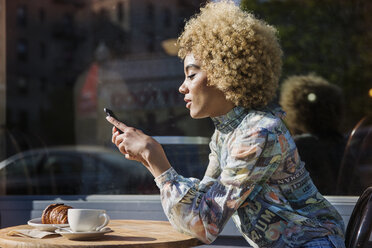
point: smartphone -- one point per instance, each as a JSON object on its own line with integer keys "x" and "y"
{"x": 109, "y": 112}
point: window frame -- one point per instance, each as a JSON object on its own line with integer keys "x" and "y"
{"x": 2, "y": 78}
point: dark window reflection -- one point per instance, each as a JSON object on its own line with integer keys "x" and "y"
{"x": 150, "y": 42}
{"x": 67, "y": 60}
{"x": 22, "y": 50}
{"x": 327, "y": 38}
{"x": 167, "y": 18}
{"x": 22, "y": 16}
{"x": 356, "y": 166}
{"x": 150, "y": 9}
{"x": 120, "y": 12}
{"x": 43, "y": 84}
{"x": 41, "y": 15}
{"x": 22, "y": 85}
{"x": 43, "y": 50}
{"x": 91, "y": 170}
{"x": 85, "y": 56}
{"x": 23, "y": 119}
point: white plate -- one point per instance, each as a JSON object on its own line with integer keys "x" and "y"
{"x": 45, "y": 227}
{"x": 83, "y": 235}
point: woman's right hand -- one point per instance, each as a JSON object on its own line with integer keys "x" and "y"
{"x": 136, "y": 145}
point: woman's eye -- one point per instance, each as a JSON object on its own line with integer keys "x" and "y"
{"x": 191, "y": 76}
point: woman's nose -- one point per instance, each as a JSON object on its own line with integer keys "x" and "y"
{"x": 183, "y": 88}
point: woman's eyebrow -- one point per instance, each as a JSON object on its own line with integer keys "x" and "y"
{"x": 191, "y": 65}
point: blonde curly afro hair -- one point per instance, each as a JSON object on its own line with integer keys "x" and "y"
{"x": 241, "y": 54}
{"x": 313, "y": 105}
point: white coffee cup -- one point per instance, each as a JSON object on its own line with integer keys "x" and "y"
{"x": 87, "y": 220}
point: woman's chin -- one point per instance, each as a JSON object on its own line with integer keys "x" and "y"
{"x": 193, "y": 116}
{"x": 196, "y": 115}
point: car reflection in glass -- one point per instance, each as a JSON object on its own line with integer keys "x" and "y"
{"x": 75, "y": 170}
{"x": 83, "y": 170}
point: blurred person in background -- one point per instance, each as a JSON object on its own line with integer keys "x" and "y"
{"x": 314, "y": 110}
{"x": 232, "y": 64}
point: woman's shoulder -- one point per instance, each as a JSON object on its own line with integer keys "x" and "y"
{"x": 263, "y": 119}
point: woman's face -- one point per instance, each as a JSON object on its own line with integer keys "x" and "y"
{"x": 202, "y": 100}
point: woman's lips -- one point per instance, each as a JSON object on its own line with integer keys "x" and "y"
{"x": 188, "y": 102}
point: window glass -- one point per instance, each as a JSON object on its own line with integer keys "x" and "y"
{"x": 22, "y": 16}
{"x": 41, "y": 15}
{"x": 22, "y": 50}
{"x": 21, "y": 176}
{"x": 326, "y": 42}
{"x": 62, "y": 62}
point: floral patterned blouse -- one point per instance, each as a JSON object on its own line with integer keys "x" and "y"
{"x": 256, "y": 177}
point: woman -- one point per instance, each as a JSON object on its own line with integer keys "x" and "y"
{"x": 314, "y": 113}
{"x": 232, "y": 63}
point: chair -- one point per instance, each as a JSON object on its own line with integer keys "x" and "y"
{"x": 355, "y": 172}
{"x": 359, "y": 227}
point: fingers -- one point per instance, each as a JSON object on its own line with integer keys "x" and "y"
{"x": 115, "y": 129}
{"x": 130, "y": 157}
{"x": 118, "y": 140}
{"x": 122, "y": 149}
{"x": 119, "y": 125}
{"x": 115, "y": 133}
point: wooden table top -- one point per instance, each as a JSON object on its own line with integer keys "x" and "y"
{"x": 126, "y": 233}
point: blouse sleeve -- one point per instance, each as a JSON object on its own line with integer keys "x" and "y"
{"x": 202, "y": 208}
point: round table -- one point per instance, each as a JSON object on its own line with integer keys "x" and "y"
{"x": 126, "y": 233}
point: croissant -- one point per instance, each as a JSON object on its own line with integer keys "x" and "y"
{"x": 55, "y": 214}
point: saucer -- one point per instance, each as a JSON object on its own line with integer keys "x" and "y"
{"x": 44, "y": 227}
{"x": 83, "y": 235}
